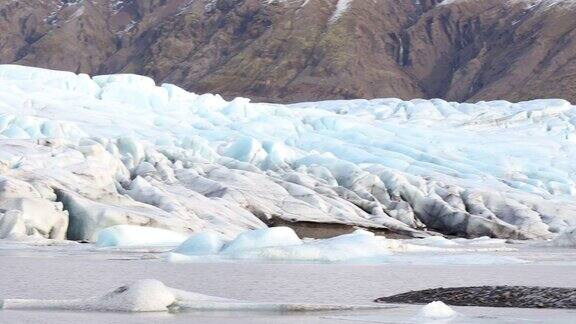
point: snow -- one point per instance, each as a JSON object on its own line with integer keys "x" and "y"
{"x": 119, "y": 150}
{"x": 437, "y": 310}
{"x": 128, "y": 235}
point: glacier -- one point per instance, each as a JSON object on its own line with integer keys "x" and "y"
{"x": 80, "y": 154}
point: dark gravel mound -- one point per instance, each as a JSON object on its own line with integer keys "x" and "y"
{"x": 491, "y": 296}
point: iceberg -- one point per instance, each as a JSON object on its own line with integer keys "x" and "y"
{"x": 282, "y": 244}
{"x": 205, "y": 243}
{"x": 358, "y": 246}
{"x": 129, "y": 235}
{"x": 151, "y": 295}
{"x": 263, "y": 238}
{"x": 437, "y": 310}
{"x": 140, "y": 296}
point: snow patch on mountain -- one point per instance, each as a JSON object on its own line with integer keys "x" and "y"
{"x": 341, "y": 8}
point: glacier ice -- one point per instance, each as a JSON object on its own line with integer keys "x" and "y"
{"x": 119, "y": 150}
{"x": 23, "y": 210}
{"x": 12, "y": 224}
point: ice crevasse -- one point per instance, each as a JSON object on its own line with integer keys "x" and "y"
{"x": 97, "y": 152}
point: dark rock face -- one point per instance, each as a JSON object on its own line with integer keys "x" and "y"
{"x": 491, "y": 296}
{"x": 302, "y": 50}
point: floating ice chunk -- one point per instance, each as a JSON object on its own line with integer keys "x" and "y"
{"x": 282, "y": 244}
{"x": 204, "y": 243}
{"x": 130, "y": 235}
{"x": 263, "y": 238}
{"x": 360, "y": 245}
{"x": 141, "y": 296}
{"x": 153, "y": 296}
{"x": 437, "y": 310}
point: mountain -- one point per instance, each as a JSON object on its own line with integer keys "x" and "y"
{"x": 280, "y": 50}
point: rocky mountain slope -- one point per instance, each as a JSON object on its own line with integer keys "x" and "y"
{"x": 293, "y": 50}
